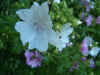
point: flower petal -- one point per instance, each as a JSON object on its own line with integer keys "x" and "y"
{"x": 26, "y": 31}
{"x": 66, "y": 31}
{"x": 54, "y": 40}
{"x": 40, "y": 41}
{"x": 24, "y": 14}
{"x": 45, "y": 7}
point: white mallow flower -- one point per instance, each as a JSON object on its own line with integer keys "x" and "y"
{"x": 57, "y": 1}
{"x": 62, "y": 39}
{"x": 94, "y": 51}
{"x": 36, "y": 28}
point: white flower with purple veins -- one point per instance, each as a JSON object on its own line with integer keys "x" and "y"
{"x": 94, "y": 51}
{"x": 36, "y": 28}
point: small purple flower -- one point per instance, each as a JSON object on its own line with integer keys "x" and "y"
{"x": 92, "y": 63}
{"x": 88, "y": 20}
{"x": 84, "y": 59}
{"x": 33, "y": 59}
{"x": 88, "y": 8}
{"x": 87, "y": 41}
{"x": 98, "y": 20}
{"x": 83, "y": 15}
{"x": 84, "y": 48}
{"x": 71, "y": 69}
{"x": 75, "y": 66}
{"x": 86, "y": 4}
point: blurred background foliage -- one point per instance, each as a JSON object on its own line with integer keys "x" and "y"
{"x": 12, "y": 60}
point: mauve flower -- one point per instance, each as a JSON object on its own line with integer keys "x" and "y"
{"x": 33, "y": 59}
{"x": 83, "y": 15}
{"x": 92, "y": 63}
{"x": 88, "y": 8}
{"x": 76, "y": 65}
{"x": 71, "y": 69}
{"x": 86, "y": 4}
{"x": 85, "y": 43}
{"x": 84, "y": 48}
{"x": 89, "y": 20}
{"x": 98, "y": 20}
{"x": 84, "y": 59}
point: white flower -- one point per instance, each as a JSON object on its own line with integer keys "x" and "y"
{"x": 62, "y": 39}
{"x": 94, "y": 51}
{"x": 57, "y": 1}
{"x": 88, "y": 41}
{"x": 36, "y": 28}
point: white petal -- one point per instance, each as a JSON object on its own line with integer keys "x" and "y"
{"x": 40, "y": 41}
{"x": 45, "y": 7}
{"x": 25, "y": 30}
{"x": 40, "y": 14}
{"x": 66, "y": 30}
{"x": 24, "y": 14}
{"x": 36, "y": 4}
{"x": 44, "y": 12}
{"x": 54, "y": 40}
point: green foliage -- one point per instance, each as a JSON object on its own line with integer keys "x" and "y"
{"x": 12, "y": 59}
